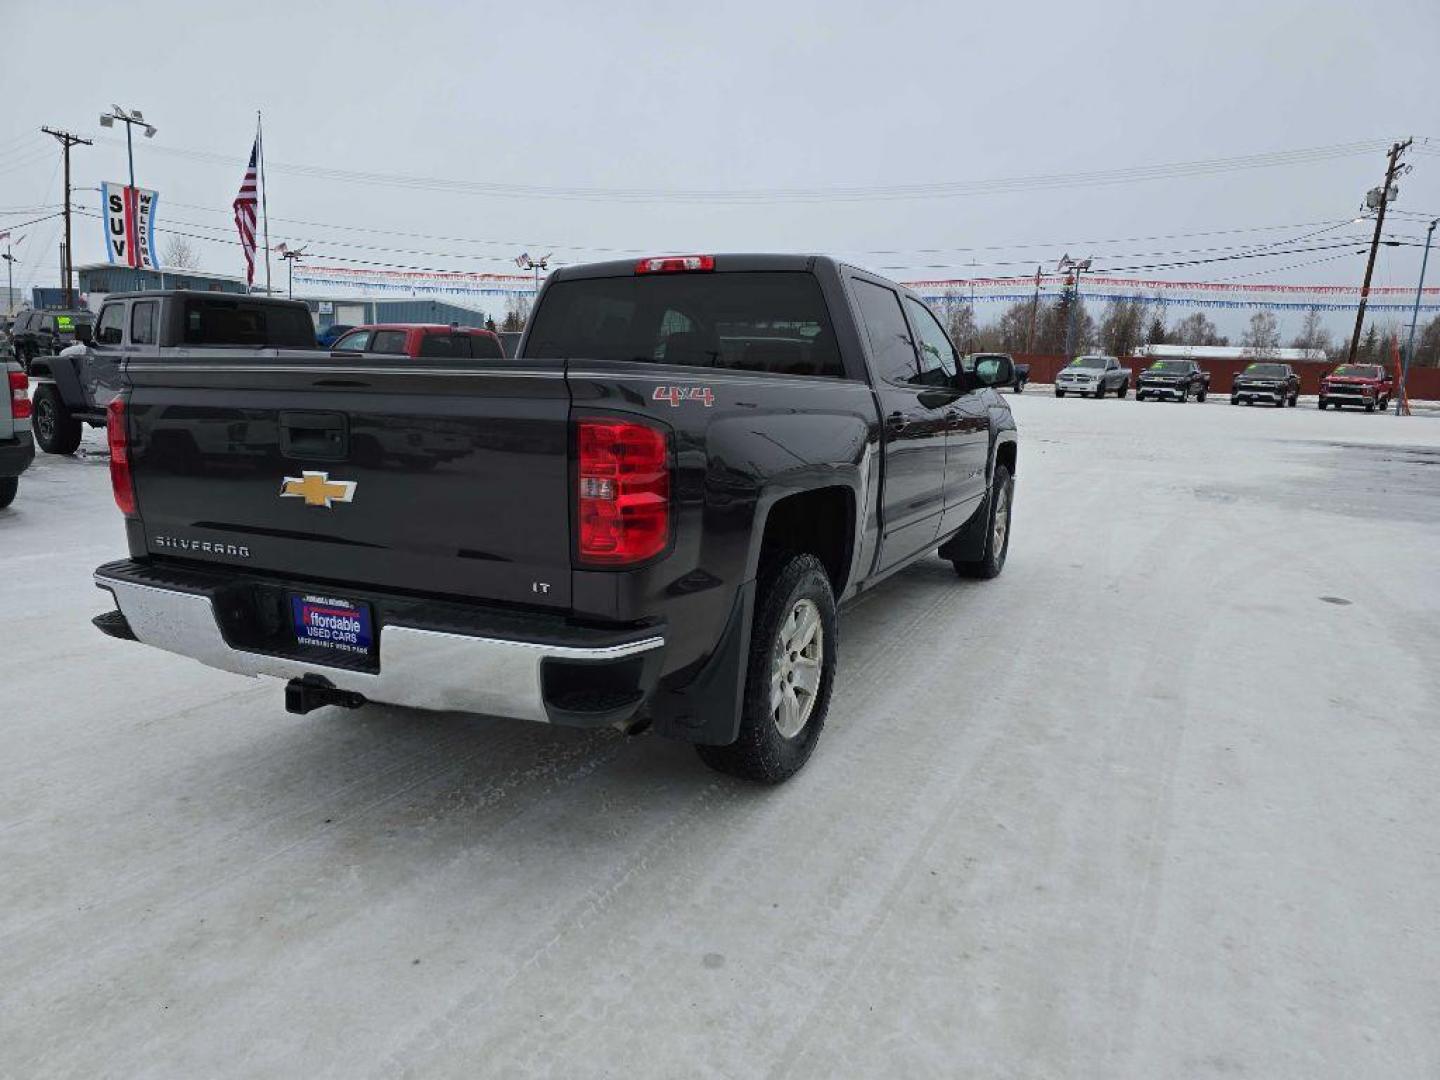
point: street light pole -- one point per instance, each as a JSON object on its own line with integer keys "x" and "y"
{"x": 291, "y": 256}
{"x": 1400, "y": 398}
{"x": 129, "y": 118}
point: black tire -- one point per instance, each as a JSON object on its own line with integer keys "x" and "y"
{"x": 1124, "y": 390}
{"x": 8, "y": 486}
{"x": 1369, "y": 406}
{"x": 1234, "y": 401}
{"x": 1184, "y": 397}
{"x": 761, "y": 753}
{"x": 1320, "y": 404}
{"x": 1249, "y": 401}
{"x": 1100, "y": 390}
{"x": 989, "y": 565}
{"x": 1201, "y": 396}
{"x": 56, "y": 431}
{"x": 1059, "y": 392}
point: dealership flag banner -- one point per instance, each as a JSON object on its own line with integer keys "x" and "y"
{"x": 129, "y": 221}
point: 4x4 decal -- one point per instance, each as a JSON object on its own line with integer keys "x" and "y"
{"x": 676, "y": 394}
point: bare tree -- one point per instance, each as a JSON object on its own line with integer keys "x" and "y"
{"x": 1195, "y": 329}
{"x": 1427, "y": 345}
{"x": 1312, "y": 334}
{"x": 517, "y": 310}
{"x": 178, "y": 254}
{"x": 1261, "y": 340}
{"x": 1122, "y": 328}
{"x": 963, "y": 330}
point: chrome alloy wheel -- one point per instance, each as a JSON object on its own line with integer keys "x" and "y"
{"x": 795, "y": 665}
{"x": 1002, "y": 519}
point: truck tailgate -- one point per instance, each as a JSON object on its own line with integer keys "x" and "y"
{"x": 435, "y": 478}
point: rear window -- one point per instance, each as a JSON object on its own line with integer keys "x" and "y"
{"x": 775, "y": 322}
{"x": 237, "y": 322}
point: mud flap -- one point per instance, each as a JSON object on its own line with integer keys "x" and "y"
{"x": 968, "y": 545}
{"x": 706, "y": 709}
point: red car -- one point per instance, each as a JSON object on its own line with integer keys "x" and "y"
{"x": 421, "y": 340}
{"x": 1356, "y": 384}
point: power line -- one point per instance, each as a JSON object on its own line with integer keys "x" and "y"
{"x": 743, "y": 196}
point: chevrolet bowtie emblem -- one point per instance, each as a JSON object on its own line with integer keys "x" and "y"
{"x": 317, "y": 489}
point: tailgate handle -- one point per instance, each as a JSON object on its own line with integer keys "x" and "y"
{"x": 314, "y": 436}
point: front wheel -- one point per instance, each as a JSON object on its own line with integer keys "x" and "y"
{"x": 1184, "y": 396}
{"x": 9, "y": 485}
{"x": 56, "y": 431}
{"x": 1369, "y": 406}
{"x": 1059, "y": 393}
{"x": 997, "y": 536}
{"x": 1099, "y": 390}
{"x": 1124, "y": 390}
{"x": 789, "y": 675}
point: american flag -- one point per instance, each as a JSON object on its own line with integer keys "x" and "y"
{"x": 245, "y": 204}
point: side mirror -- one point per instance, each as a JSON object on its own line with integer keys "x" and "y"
{"x": 84, "y": 333}
{"x": 995, "y": 371}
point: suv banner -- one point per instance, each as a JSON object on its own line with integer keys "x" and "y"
{"x": 129, "y": 221}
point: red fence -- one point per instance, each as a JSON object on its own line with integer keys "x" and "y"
{"x": 1424, "y": 383}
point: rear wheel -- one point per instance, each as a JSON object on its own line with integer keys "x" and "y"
{"x": 789, "y": 676}
{"x": 56, "y": 431}
{"x": 997, "y": 536}
{"x": 8, "y": 486}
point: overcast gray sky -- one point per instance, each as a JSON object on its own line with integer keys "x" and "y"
{"x": 738, "y": 97}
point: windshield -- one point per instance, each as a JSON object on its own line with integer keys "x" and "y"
{"x": 760, "y": 321}
{"x": 65, "y": 322}
{"x": 1358, "y": 371}
{"x": 1088, "y": 362}
{"x": 1267, "y": 371}
{"x": 1173, "y": 367}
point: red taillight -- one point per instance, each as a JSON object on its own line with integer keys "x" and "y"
{"x": 19, "y": 395}
{"x": 121, "y": 482}
{"x": 675, "y": 264}
{"x": 623, "y": 495}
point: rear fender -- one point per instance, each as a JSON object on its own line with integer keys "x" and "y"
{"x": 60, "y": 370}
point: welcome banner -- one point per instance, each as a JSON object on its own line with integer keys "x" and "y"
{"x": 129, "y": 221}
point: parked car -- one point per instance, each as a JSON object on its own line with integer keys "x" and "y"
{"x": 44, "y": 333}
{"x": 1176, "y": 379}
{"x": 332, "y": 333}
{"x": 1266, "y": 381}
{"x": 75, "y": 387}
{"x": 423, "y": 339}
{"x": 16, "y": 448}
{"x": 663, "y": 498}
{"x": 1093, "y": 375}
{"x": 1357, "y": 384}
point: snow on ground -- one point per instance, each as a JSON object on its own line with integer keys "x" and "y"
{"x": 1161, "y": 801}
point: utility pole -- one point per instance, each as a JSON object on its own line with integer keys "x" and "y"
{"x": 66, "y": 141}
{"x": 1076, "y": 269}
{"x": 9, "y": 274}
{"x": 1379, "y": 203}
{"x": 1034, "y": 312}
{"x": 1400, "y": 399}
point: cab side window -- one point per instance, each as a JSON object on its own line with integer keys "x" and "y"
{"x": 389, "y": 341}
{"x": 356, "y": 340}
{"x": 937, "y": 355}
{"x": 891, "y": 349}
{"x": 142, "y": 323}
{"x": 110, "y": 330}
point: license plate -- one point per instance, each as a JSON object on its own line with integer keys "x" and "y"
{"x": 331, "y": 624}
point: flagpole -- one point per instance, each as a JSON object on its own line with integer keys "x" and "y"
{"x": 264, "y": 207}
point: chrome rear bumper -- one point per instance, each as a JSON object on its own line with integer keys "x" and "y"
{"x": 419, "y": 668}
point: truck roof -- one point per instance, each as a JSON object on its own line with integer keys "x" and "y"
{"x": 732, "y": 262}
{"x": 199, "y": 294}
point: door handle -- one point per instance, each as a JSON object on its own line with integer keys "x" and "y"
{"x": 897, "y": 421}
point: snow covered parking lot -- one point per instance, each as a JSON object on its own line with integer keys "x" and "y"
{"x": 1160, "y": 801}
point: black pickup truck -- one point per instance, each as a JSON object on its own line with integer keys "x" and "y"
{"x": 1176, "y": 379}
{"x": 646, "y": 517}
{"x": 74, "y": 387}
